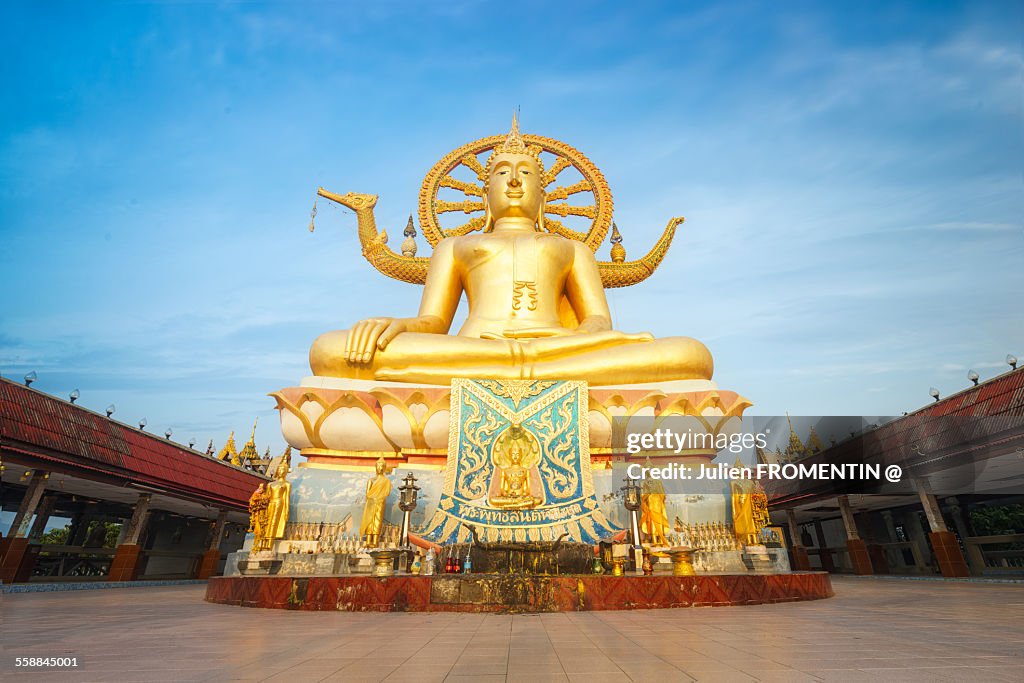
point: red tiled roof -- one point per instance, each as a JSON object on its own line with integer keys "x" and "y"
{"x": 78, "y": 440}
{"x": 935, "y": 428}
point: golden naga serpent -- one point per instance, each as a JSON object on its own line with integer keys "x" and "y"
{"x": 615, "y": 273}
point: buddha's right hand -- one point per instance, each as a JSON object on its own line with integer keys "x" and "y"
{"x": 366, "y": 336}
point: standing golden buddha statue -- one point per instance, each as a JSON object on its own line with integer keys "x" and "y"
{"x": 653, "y": 515}
{"x": 537, "y": 306}
{"x": 748, "y": 518}
{"x": 278, "y": 496}
{"x": 377, "y": 491}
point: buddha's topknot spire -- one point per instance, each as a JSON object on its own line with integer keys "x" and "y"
{"x": 514, "y": 143}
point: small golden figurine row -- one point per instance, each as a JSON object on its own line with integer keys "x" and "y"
{"x": 714, "y": 536}
{"x": 332, "y": 541}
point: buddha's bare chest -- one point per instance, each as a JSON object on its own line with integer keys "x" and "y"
{"x": 521, "y": 258}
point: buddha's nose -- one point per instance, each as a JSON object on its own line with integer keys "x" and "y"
{"x": 514, "y": 181}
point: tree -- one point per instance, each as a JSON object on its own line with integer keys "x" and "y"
{"x": 998, "y": 520}
{"x": 56, "y": 536}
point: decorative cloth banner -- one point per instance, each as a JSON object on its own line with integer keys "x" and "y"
{"x": 518, "y": 465}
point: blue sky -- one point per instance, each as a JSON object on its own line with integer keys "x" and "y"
{"x": 850, "y": 173}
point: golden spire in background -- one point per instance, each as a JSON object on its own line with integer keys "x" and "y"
{"x": 229, "y": 453}
{"x": 796, "y": 448}
{"x": 814, "y": 443}
{"x": 249, "y": 452}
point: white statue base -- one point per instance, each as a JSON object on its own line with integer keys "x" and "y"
{"x": 347, "y": 419}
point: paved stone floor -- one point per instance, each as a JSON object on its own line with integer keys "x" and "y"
{"x": 873, "y": 630}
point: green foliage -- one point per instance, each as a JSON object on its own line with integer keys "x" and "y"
{"x": 1002, "y": 519}
{"x": 113, "y": 531}
{"x": 57, "y": 536}
{"x": 107, "y": 531}
{"x": 103, "y": 534}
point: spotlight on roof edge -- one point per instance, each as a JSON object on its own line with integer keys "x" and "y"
{"x": 973, "y": 376}
{"x": 167, "y": 433}
{"x": 192, "y": 442}
{"x": 934, "y": 393}
{"x": 142, "y": 423}
{"x": 31, "y": 377}
{"x": 1011, "y": 360}
{"x": 73, "y": 396}
{"x": 110, "y": 409}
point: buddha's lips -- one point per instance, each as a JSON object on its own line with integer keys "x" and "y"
{"x": 518, "y": 194}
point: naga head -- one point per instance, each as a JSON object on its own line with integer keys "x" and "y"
{"x": 357, "y": 201}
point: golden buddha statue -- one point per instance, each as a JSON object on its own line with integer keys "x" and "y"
{"x": 747, "y": 516}
{"x": 515, "y": 461}
{"x": 537, "y": 306}
{"x": 653, "y": 515}
{"x": 258, "y": 517}
{"x": 277, "y": 495}
{"x": 377, "y": 491}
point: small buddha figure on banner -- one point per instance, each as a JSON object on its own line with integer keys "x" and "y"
{"x": 516, "y": 480}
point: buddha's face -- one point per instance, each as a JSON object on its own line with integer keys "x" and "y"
{"x": 380, "y": 468}
{"x": 515, "y": 454}
{"x": 514, "y": 188}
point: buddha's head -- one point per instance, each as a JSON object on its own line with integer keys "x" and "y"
{"x": 282, "y": 470}
{"x": 515, "y": 454}
{"x": 513, "y": 187}
{"x": 381, "y": 466}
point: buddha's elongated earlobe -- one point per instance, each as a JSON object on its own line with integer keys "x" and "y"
{"x": 488, "y": 217}
{"x": 540, "y": 216}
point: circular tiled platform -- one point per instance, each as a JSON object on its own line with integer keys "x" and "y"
{"x": 505, "y": 593}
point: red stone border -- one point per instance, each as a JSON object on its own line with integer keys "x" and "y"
{"x": 545, "y": 594}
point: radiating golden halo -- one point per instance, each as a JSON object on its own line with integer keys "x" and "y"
{"x": 528, "y": 443}
{"x": 556, "y": 203}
